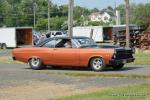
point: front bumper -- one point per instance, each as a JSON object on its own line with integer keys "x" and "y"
{"x": 121, "y": 61}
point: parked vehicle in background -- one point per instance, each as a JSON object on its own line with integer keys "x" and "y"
{"x": 55, "y": 34}
{"x": 36, "y": 37}
{"x": 15, "y": 37}
{"x": 73, "y": 52}
{"x": 100, "y": 33}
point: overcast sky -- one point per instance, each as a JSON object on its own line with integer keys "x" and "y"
{"x": 98, "y": 3}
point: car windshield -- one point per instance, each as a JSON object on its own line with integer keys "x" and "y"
{"x": 85, "y": 42}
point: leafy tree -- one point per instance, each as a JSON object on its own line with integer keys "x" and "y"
{"x": 95, "y": 10}
{"x": 42, "y": 24}
{"x": 57, "y": 22}
{"x": 138, "y": 13}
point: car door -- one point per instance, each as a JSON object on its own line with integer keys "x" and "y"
{"x": 47, "y": 53}
{"x": 66, "y": 56}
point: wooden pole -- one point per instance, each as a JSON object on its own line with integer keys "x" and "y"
{"x": 70, "y": 17}
{"x": 34, "y": 13}
{"x": 48, "y": 15}
{"x": 127, "y": 24}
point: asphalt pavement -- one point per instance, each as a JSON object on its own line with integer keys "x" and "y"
{"x": 20, "y": 72}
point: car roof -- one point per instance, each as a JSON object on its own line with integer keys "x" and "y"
{"x": 69, "y": 37}
{"x": 61, "y": 37}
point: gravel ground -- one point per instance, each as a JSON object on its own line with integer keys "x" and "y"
{"x": 32, "y": 85}
{"x": 5, "y": 52}
{"x": 20, "y": 72}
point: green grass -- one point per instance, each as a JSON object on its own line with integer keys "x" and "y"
{"x": 136, "y": 92}
{"x": 107, "y": 75}
{"x": 142, "y": 58}
{"x": 94, "y": 74}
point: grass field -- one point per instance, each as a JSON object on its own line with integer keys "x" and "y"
{"x": 142, "y": 58}
{"x": 136, "y": 92}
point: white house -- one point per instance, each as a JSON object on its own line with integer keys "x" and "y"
{"x": 95, "y": 16}
{"x": 105, "y": 16}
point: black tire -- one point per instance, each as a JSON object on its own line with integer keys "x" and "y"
{"x": 3, "y": 46}
{"x": 36, "y": 64}
{"x": 97, "y": 64}
{"x": 118, "y": 67}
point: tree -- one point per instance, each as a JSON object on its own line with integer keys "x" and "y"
{"x": 94, "y": 10}
{"x": 138, "y": 13}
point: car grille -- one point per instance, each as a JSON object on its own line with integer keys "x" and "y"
{"x": 124, "y": 54}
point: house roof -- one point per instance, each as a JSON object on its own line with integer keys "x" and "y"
{"x": 95, "y": 14}
{"x": 110, "y": 12}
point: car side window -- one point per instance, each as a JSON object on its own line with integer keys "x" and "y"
{"x": 58, "y": 33}
{"x": 65, "y": 43}
{"x": 50, "y": 44}
{"x": 60, "y": 43}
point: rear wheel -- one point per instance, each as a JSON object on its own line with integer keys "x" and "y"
{"x": 97, "y": 64}
{"x": 36, "y": 64}
{"x": 118, "y": 66}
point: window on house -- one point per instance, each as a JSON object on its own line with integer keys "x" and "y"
{"x": 105, "y": 18}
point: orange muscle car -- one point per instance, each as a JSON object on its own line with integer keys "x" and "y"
{"x": 73, "y": 52}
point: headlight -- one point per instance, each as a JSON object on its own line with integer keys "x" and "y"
{"x": 114, "y": 56}
{"x": 115, "y": 52}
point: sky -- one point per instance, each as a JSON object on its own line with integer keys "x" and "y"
{"x": 100, "y": 4}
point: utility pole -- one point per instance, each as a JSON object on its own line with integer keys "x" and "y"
{"x": 34, "y": 13}
{"x": 127, "y": 24}
{"x": 70, "y": 17}
{"x": 48, "y": 15}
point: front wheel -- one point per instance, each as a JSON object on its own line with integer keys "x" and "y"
{"x": 97, "y": 64}
{"x": 118, "y": 67}
{"x": 36, "y": 64}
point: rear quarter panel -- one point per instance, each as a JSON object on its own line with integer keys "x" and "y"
{"x": 24, "y": 54}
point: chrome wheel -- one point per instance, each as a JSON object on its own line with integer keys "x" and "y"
{"x": 35, "y": 62}
{"x": 97, "y": 64}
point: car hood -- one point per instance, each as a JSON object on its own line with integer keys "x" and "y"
{"x": 108, "y": 46}
{"x": 116, "y": 48}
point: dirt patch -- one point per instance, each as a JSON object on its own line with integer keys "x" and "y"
{"x": 5, "y": 59}
{"x": 39, "y": 91}
{"x": 8, "y": 60}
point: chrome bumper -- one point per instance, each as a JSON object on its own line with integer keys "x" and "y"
{"x": 121, "y": 61}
